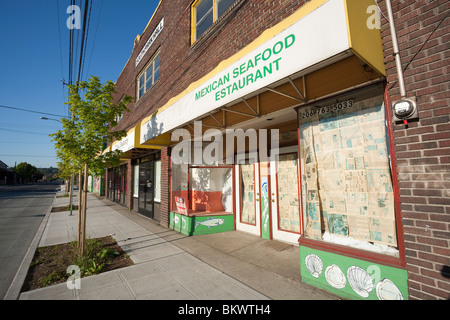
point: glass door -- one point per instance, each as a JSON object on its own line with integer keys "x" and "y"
{"x": 248, "y": 209}
{"x": 284, "y": 196}
{"x": 146, "y": 187}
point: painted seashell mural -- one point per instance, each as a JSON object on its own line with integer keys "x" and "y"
{"x": 335, "y": 277}
{"x": 314, "y": 265}
{"x": 360, "y": 281}
{"x": 387, "y": 290}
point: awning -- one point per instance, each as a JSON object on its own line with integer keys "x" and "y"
{"x": 319, "y": 34}
{"x": 130, "y": 142}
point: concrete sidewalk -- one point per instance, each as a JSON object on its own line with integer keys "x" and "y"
{"x": 169, "y": 265}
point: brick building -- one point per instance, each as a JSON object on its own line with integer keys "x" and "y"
{"x": 284, "y": 112}
{"x": 422, "y": 147}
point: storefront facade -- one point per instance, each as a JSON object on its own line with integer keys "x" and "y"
{"x": 286, "y": 134}
{"x": 136, "y": 183}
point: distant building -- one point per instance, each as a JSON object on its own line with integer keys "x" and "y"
{"x": 6, "y": 176}
{"x": 3, "y": 166}
{"x": 362, "y": 190}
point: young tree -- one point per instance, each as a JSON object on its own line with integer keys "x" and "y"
{"x": 79, "y": 143}
{"x": 25, "y": 170}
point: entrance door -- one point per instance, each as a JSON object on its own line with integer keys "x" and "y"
{"x": 146, "y": 188}
{"x": 284, "y": 196}
{"x": 248, "y": 209}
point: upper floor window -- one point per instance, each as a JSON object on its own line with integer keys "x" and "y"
{"x": 149, "y": 77}
{"x": 205, "y": 13}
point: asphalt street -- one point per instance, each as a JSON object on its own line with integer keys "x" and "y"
{"x": 22, "y": 208}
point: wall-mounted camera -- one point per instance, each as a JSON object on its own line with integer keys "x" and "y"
{"x": 405, "y": 110}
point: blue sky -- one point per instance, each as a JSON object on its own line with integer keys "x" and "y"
{"x": 32, "y": 66}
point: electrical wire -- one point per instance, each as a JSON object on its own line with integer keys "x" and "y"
{"x": 38, "y": 112}
{"x": 86, "y": 41}
{"x": 95, "y": 37}
{"x": 422, "y": 46}
{"x": 71, "y": 50}
{"x": 25, "y": 155}
{"x": 59, "y": 36}
{"x": 83, "y": 38}
{"x": 23, "y": 131}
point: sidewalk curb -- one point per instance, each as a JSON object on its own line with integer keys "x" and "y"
{"x": 13, "y": 292}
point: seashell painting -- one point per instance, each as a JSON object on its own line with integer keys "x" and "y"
{"x": 387, "y": 290}
{"x": 314, "y": 265}
{"x": 360, "y": 281}
{"x": 335, "y": 277}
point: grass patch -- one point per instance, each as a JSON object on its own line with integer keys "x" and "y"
{"x": 64, "y": 208}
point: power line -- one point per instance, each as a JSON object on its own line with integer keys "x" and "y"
{"x": 83, "y": 38}
{"x": 71, "y": 39}
{"x": 25, "y": 155}
{"x": 423, "y": 45}
{"x": 95, "y": 37}
{"x": 22, "y": 142}
{"x": 38, "y": 112}
{"x": 86, "y": 41}
{"x": 23, "y": 131}
{"x": 59, "y": 36}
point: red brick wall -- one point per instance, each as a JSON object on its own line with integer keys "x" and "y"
{"x": 129, "y": 186}
{"x": 183, "y": 63}
{"x": 423, "y": 148}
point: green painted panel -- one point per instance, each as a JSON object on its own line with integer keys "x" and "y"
{"x": 352, "y": 278}
{"x": 265, "y": 203}
{"x": 171, "y": 220}
{"x": 201, "y": 224}
{"x": 175, "y": 221}
{"x": 212, "y": 224}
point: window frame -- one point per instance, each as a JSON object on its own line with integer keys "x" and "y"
{"x": 357, "y": 253}
{"x": 215, "y": 4}
{"x": 142, "y": 84}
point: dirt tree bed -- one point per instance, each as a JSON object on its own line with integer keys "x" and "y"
{"x": 50, "y": 263}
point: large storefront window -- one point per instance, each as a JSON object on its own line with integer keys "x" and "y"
{"x": 346, "y": 185}
{"x": 117, "y": 184}
{"x": 197, "y": 189}
{"x": 210, "y": 189}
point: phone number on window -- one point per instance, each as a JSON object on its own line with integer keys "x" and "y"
{"x": 334, "y": 107}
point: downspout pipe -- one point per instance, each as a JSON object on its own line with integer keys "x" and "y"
{"x": 398, "y": 62}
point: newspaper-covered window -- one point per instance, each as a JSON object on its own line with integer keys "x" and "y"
{"x": 346, "y": 185}
{"x": 248, "y": 194}
{"x": 287, "y": 189}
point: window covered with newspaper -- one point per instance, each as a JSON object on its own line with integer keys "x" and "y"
{"x": 346, "y": 185}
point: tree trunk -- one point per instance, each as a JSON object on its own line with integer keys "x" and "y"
{"x": 83, "y": 220}
{"x": 80, "y": 197}
{"x": 71, "y": 183}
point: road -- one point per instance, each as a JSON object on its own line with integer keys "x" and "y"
{"x": 22, "y": 208}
